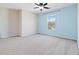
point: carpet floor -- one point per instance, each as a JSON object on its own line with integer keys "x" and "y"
{"x": 38, "y": 45}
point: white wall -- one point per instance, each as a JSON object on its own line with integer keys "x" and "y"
{"x": 20, "y": 22}
{"x": 3, "y": 22}
{"x": 78, "y": 24}
{"x": 29, "y": 21}
{"x": 9, "y": 22}
{"x": 13, "y": 22}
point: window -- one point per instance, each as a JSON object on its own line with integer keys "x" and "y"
{"x": 51, "y": 22}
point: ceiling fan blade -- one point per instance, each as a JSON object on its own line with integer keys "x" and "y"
{"x": 46, "y": 7}
{"x": 45, "y": 4}
{"x": 36, "y": 7}
{"x": 36, "y": 4}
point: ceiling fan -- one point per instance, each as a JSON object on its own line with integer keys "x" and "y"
{"x": 41, "y": 6}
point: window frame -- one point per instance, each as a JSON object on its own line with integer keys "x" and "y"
{"x": 53, "y": 15}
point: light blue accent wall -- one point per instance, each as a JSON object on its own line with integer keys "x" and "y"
{"x": 66, "y": 23}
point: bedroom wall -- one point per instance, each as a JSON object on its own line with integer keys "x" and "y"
{"x": 13, "y": 22}
{"x": 29, "y": 23}
{"x": 3, "y": 22}
{"x": 66, "y": 23}
{"x": 78, "y": 23}
{"x": 17, "y": 22}
{"x": 9, "y": 25}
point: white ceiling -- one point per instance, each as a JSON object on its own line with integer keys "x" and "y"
{"x": 29, "y": 6}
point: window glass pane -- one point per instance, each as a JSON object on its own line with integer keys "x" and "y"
{"x": 51, "y": 22}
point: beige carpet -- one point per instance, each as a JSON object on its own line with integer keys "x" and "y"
{"x": 38, "y": 45}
